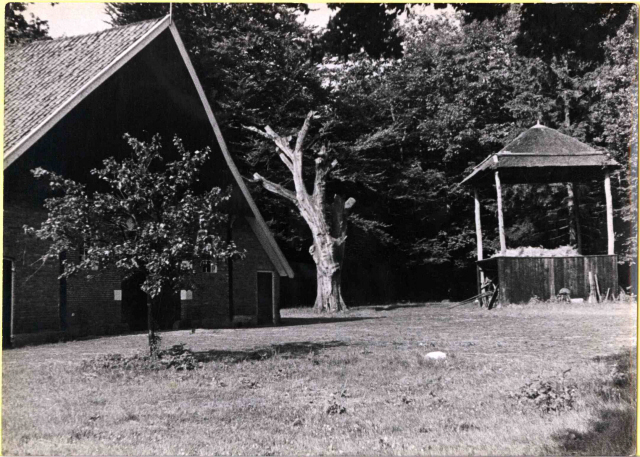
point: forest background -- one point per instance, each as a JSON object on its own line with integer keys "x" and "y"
{"x": 409, "y": 104}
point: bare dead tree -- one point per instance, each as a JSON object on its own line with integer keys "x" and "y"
{"x": 329, "y": 236}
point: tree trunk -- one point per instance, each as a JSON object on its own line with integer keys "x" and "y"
{"x": 329, "y": 236}
{"x": 329, "y": 295}
{"x": 153, "y": 338}
{"x": 328, "y": 275}
{"x": 328, "y": 253}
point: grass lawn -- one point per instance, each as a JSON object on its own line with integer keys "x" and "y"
{"x": 357, "y": 383}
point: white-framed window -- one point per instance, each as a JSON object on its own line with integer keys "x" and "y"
{"x": 209, "y": 266}
{"x": 186, "y": 295}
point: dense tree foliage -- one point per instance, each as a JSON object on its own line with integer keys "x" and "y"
{"x": 613, "y": 113}
{"x": 147, "y": 221}
{"x": 407, "y": 130}
{"x": 18, "y": 29}
{"x": 553, "y": 30}
{"x": 369, "y": 27}
{"x": 460, "y": 93}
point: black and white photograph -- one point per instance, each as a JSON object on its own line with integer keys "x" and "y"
{"x": 320, "y": 229}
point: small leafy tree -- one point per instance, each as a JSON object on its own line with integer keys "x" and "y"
{"x": 147, "y": 221}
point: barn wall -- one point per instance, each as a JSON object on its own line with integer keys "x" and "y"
{"x": 209, "y": 307}
{"x": 36, "y": 286}
{"x": 245, "y": 279}
{"x": 151, "y": 93}
{"x": 91, "y": 308}
{"x": 91, "y": 305}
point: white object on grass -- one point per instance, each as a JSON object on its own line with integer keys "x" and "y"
{"x": 436, "y": 355}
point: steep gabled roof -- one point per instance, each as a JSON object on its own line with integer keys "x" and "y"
{"x": 42, "y": 76}
{"x": 542, "y": 155}
{"x": 45, "y": 80}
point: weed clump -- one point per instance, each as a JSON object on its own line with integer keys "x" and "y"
{"x": 550, "y": 395}
{"x": 177, "y": 358}
{"x": 335, "y": 408}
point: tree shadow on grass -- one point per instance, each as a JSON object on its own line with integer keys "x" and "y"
{"x": 297, "y": 349}
{"x": 295, "y": 321}
{"x": 392, "y": 307}
{"x": 613, "y": 431}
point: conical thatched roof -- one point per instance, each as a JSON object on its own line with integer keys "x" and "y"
{"x": 543, "y": 140}
{"x": 542, "y": 155}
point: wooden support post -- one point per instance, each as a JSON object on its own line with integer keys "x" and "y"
{"x": 610, "y": 234}
{"x": 478, "y": 238}
{"x": 576, "y": 207}
{"x": 478, "y": 224}
{"x": 575, "y": 234}
{"x": 503, "y": 241}
{"x": 592, "y": 290}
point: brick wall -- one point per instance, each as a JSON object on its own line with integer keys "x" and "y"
{"x": 91, "y": 308}
{"x": 276, "y": 296}
{"x": 91, "y": 305}
{"x": 245, "y": 279}
{"x": 209, "y": 307}
{"x": 36, "y": 288}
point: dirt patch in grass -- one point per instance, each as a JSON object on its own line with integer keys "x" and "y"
{"x": 355, "y": 383}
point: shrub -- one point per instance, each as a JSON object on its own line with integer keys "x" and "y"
{"x": 551, "y": 395}
{"x": 177, "y": 358}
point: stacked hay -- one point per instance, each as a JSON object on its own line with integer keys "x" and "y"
{"x": 530, "y": 251}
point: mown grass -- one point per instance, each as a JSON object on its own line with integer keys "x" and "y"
{"x": 357, "y": 383}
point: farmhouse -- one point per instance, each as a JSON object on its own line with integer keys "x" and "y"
{"x": 68, "y": 103}
{"x": 544, "y": 155}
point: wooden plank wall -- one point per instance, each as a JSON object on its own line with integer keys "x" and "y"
{"x": 523, "y": 277}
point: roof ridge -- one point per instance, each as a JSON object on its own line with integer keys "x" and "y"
{"x": 82, "y": 35}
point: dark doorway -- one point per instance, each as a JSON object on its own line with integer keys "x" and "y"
{"x": 265, "y": 297}
{"x": 166, "y": 309}
{"x": 7, "y": 300}
{"x": 134, "y": 304}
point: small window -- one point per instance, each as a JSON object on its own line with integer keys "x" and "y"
{"x": 186, "y": 295}
{"x": 83, "y": 256}
{"x": 209, "y": 267}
